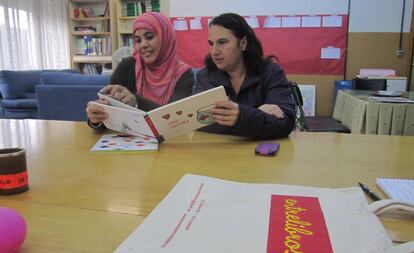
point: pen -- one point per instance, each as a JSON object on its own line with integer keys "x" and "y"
{"x": 370, "y": 192}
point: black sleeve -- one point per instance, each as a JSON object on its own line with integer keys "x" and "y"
{"x": 253, "y": 122}
{"x": 266, "y": 126}
{"x": 124, "y": 74}
{"x": 183, "y": 89}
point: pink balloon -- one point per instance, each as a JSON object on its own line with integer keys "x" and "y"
{"x": 13, "y": 230}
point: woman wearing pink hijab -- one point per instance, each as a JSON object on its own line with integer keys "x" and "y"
{"x": 153, "y": 76}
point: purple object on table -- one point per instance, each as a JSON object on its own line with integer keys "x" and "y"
{"x": 13, "y": 230}
{"x": 267, "y": 149}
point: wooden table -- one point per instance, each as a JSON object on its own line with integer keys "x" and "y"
{"x": 82, "y": 201}
{"x": 364, "y": 113}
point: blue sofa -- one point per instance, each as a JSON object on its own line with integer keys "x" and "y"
{"x": 64, "y": 96}
{"x": 17, "y": 92}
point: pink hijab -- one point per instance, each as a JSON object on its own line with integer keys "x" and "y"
{"x": 157, "y": 81}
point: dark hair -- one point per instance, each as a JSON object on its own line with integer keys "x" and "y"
{"x": 253, "y": 55}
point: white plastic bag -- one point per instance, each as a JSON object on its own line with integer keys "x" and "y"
{"x": 205, "y": 215}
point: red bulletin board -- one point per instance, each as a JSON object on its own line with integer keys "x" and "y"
{"x": 298, "y": 48}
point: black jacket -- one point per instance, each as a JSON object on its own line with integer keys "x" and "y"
{"x": 124, "y": 75}
{"x": 272, "y": 87}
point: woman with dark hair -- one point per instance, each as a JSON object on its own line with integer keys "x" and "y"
{"x": 260, "y": 103}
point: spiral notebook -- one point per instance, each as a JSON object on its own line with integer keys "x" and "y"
{"x": 397, "y": 188}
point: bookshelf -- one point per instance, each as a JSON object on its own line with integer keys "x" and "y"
{"x": 93, "y": 34}
{"x": 128, "y": 10}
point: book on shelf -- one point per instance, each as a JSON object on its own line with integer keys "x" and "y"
{"x": 135, "y": 8}
{"x": 131, "y": 9}
{"x": 91, "y": 69}
{"x": 106, "y": 12}
{"x": 152, "y": 6}
{"x": 128, "y": 41}
{"x": 88, "y": 12}
{"x": 86, "y": 28}
{"x": 97, "y": 45}
{"x": 83, "y": 13}
{"x": 165, "y": 122}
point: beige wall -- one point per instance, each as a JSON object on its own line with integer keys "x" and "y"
{"x": 377, "y": 50}
{"x": 365, "y": 50}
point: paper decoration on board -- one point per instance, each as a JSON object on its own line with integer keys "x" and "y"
{"x": 291, "y": 21}
{"x": 115, "y": 142}
{"x": 253, "y": 21}
{"x": 272, "y": 22}
{"x": 311, "y": 21}
{"x": 298, "y": 48}
{"x": 309, "y": 97}
{"x": 195, "y": 24}
{"x": 332, "y": 21}
{"x": 180, "y": 24}
{"x": 330, "y": 53}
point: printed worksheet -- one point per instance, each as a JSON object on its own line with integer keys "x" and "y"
{"x": 115, "y": 142}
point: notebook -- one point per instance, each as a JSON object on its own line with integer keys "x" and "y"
{"x": 397, "y": 188}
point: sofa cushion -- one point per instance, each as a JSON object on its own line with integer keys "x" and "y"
{"x": 20, "y": 103}
{"x": 13, "y": 113}
{"x": 15, "y": 84}
{"x": 65, "y": 102}
{"x": 50, "y": 78}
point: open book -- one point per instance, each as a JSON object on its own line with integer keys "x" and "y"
{"x": 165, "y": 122}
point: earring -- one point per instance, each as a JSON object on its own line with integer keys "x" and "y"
{"x": 243, "y": 46}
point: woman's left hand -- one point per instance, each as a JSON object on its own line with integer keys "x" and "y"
{"x": 272, "y": 110}
{"x": 226, "y": 113}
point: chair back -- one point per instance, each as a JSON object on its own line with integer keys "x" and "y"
{"x": 300, "y": 114}
{"x": 313, "y": 123}
{"x": 369, "y": 84}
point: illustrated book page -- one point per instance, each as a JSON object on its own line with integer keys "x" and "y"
{"x": 126, "y": 121}
{"x": 165, "y": 122}
{"x": 115, "y": 142}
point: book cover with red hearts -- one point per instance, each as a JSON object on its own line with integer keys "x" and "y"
{"x": 187, "y": 114}
{"x": 165, "y": 122}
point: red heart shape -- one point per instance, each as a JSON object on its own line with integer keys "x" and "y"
{"x": 190, "y": 115}
{"x": 166, "y": 116}
{"x": 203, "y": 117}
{"x": 179, "y": 112}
